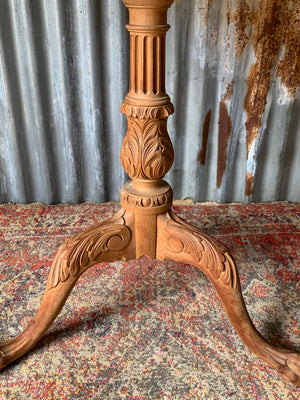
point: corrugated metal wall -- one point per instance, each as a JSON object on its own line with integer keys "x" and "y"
{"x": 232, "y": 74}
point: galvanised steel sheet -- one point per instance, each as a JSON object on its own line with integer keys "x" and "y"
{"x": 232, "y": 73}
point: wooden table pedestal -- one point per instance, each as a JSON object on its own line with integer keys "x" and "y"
{"x": 146, "y": 225}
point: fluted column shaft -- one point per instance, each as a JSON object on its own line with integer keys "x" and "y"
{"x": 147, "y": 64}
{"x": 147, "y": 152}
{"x": 147, "y": 27}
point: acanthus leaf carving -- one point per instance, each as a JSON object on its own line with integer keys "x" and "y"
{"x": 196, "y": 247}
{"x": 155, "y": 112}
{"x": 147, "y": 152}
{"x": 87, "y": 247}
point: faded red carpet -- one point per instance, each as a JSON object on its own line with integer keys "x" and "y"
{"x": 148, "y": 330}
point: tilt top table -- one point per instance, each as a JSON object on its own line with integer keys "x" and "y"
{"x": 146, "y": 225}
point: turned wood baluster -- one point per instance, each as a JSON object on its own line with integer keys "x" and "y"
{"x": 147, "y": 155}
{"x": 146, "y": 226}
{"x": 147, "y": 152}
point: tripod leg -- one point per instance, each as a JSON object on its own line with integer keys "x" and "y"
{"x": 104, "y": 242}
{"x": 181, "y": 242}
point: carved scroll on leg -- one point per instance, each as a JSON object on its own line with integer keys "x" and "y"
{"x": 107, "y": 241}
{"x": 183, "y": 243}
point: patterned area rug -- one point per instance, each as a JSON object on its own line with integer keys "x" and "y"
{"x": 146, "y": 330}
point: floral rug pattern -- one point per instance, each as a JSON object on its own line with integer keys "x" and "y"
{"x": 145, "y": 329}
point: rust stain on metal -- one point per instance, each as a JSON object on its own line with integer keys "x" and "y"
{"x": 276, "y": 28}
{"x": 223, "y": 138}
{"x": 205, "y": 132}
{"x": 267, "y": 40}
{"x": 289, "y": 66}
{"x": 249, "y": 184}
{"x": 242, "y": 18}
{"x": 228, "y": 91}
{"x": 207, "y": 6}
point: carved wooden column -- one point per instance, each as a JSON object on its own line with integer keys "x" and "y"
{"x": 146, "y": 226}
{"x": 147, "y": 152}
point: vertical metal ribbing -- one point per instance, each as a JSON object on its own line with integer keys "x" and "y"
{"x": 44, "y": 71}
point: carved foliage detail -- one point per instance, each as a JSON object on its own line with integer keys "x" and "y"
{"x": 87, "y": 247}
{"x": 195, "y": 246}
{"x": 147, "y": 112}
{"x": 147, "y": 151}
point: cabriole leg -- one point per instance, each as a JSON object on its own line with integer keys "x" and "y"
{"x": 180, "y": 242}
{"x": 108, "y": 241}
